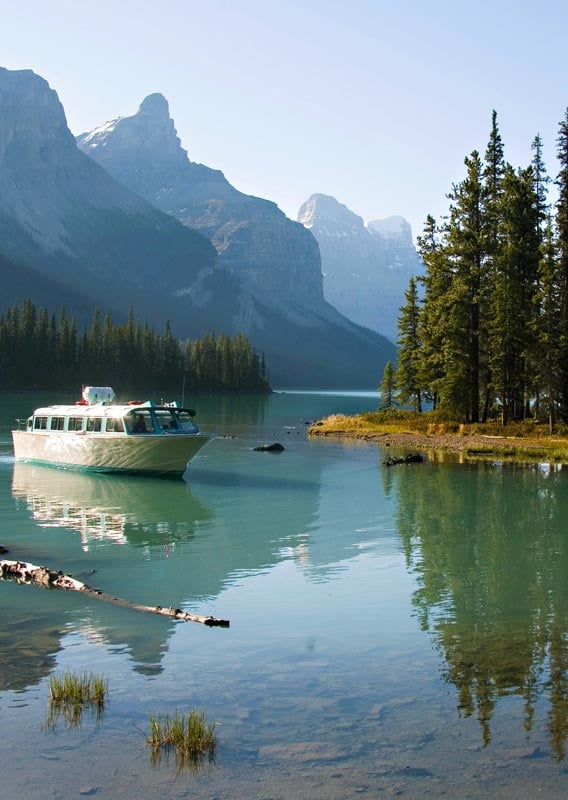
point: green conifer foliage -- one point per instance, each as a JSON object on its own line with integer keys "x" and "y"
{"x": 407, "y": 376}
{"x": 387, "y": 387}
{"x": 562, "y": 257}
{"x": 495, "y": 294}
{"x": 38, "y": 351}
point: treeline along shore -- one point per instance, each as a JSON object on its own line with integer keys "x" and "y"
{"x": 41, "y": 350}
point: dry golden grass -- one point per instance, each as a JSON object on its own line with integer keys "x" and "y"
{"x": 527, "y": 440}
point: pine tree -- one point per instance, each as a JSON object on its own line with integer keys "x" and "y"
{"x": 387, "y": 387}
{"x": 434, "y": 315}
{"x": 549, "y": 364}
{"x": 541, "y": 183}
{"x": 562, "y": 255}
{"x": 513, "y": 293}
{"x": 465, "y": 240}
{"x": 407, "y": 376}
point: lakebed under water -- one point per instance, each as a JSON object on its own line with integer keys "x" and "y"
{"x": 394, "y": 631}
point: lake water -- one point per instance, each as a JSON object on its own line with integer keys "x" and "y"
{"x": 394, "y": 631}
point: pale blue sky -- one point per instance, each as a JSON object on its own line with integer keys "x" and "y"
{"x": 376, "y": 103}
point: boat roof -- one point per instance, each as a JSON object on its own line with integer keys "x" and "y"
{"x": 104, "y": 410}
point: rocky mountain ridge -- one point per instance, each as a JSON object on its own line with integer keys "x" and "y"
{"x": 254, "y": 239}
{"x": 366, "y": 268}
{"x": 70, "y": 231}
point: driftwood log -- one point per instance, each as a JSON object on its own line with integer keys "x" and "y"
{"x": 23, "y": 572}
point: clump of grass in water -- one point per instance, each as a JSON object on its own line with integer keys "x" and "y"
{"x": 70, "y": 694}
{"x": 190, "y": 737}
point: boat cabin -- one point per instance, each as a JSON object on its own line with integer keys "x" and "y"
{"x": 146, "y": 418}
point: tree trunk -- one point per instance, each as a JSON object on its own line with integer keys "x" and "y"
{"x": 23, "y": 572}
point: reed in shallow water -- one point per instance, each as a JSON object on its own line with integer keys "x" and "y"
{"x": 190, "y": 737}
{"x": 70, "y": 694}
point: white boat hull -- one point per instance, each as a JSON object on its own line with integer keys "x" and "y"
{"x": 146, "y": 454}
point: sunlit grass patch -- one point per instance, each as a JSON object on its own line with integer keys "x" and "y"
{"x": 70, "y": 694}
{"x": 527, "y": 441}
{"x": 189, "y": 737}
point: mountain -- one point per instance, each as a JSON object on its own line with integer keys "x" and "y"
{"x": 253, "y": 238}
{"x": 70, "y": 231}
{"x": 366, "y": 269}
{"x": 306, "y": 340}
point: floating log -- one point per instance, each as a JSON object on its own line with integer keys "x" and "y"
{"x": 24, "y": 572}
{"x": 413, "y": 458}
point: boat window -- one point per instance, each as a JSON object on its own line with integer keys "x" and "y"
{"x": 140, "y": 421}
{"x": 114, "y": 425}
{"x": 40, "y": 423}
{"x": 166, "y": 420}
{"x": 94, "y": 424}
{"x": 57, "y": 423}
{"x": 75, "y": 424}
{"x": 186, "y": 422}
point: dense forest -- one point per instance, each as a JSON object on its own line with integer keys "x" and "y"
{"x": 484, "y": 333}
{"x": 42, "y": 350}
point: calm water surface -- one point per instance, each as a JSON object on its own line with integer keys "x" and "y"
{"x": 394, "y": 631}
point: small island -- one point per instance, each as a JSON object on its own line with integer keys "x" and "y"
{"x": 529, "y": 441}
{"x": 483, "y": 333}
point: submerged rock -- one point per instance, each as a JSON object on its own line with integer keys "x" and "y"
{"x": 411, "y": 458}
{"x": 275, "y": 447}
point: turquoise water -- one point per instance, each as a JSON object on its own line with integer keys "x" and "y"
{"x": 394, "y": 631}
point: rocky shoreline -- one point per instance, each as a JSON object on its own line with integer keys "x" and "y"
{"x": 448, "y": 442}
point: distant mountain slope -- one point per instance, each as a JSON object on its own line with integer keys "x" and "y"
{"x": 306, "y": 340}
{"x": 366, "y": 269}
{"x": 66, "y": 219}
{"x": 253, "y": 238}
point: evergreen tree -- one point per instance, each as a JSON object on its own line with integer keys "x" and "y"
{"x": 434, "y": 318}
{"x": 468, "y": 295}
{"x": 125, "y": 356}
{"x": 549, "y": 364}
{"x": 541, "y": 183}
{"x": 387, "y": 387}
{"x": 407, "y": 376}
{"x": 562, "y": 255}
{"x": 513, "y": 293}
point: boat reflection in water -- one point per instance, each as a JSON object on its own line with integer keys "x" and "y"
{"x": 133, "y": 531}
{"x": 103, "y": 508}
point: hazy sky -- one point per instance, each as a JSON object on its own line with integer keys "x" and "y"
{"x": 376, "y": 103}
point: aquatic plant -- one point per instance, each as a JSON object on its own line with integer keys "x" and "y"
{"x": 190, "y": 737}
{"x": 70, "y": 694}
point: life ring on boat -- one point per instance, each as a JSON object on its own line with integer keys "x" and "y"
{"x": 134, "y": 402}
{"x": 81, "y": 402}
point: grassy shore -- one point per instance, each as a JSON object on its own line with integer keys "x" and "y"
{"x": 526, "y": 441}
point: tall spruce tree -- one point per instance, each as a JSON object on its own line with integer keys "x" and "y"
{"x": 468, "y": 295}
{"x": 514, "y": 289}
{"x": 387, "y": 388}
{"x": 541, "y": 181}
{"x": 493, "y": 173}
{"x": 547, "y": 331}
{"x": 434, "y": 317}
{"x": 407, "y": 376}
{"x": 562, "y": 255}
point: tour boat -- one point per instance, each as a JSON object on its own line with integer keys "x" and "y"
{"x": 98, "y": 435}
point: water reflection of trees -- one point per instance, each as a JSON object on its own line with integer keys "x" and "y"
{"x": 488, "y": 546}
